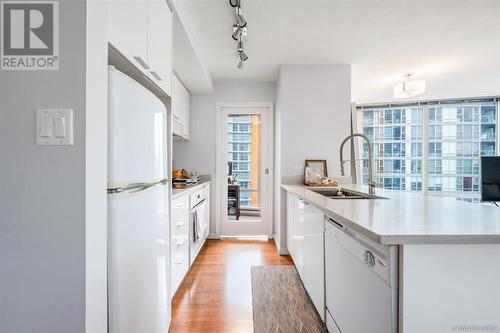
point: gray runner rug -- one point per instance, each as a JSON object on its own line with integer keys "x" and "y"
{"x": 280, "y": 302}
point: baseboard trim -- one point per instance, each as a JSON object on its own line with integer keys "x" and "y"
{"x": 213, "y": 236}
{"x": 283, "y": 252}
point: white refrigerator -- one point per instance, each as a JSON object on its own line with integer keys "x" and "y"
{"x": 139, "y": 249}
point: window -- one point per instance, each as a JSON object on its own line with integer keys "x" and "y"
{"x": 457, "y": 135}
{"x": 396, "y": 134}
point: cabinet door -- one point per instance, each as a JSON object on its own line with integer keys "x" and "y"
{"x": 298, "y": 235}
{"x": 314, "y": 273}
{"x": 289, "y": 223}
{"x": 160, "y": 44}
{"x": 180, "y": 108}
{"x": 128, "y": 30}
{"x": 179, "y": 241}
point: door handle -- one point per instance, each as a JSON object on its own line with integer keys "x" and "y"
{"x": 179, "y": 224}
{"x": 136, "y": 187}
{"x": 180, "y": 242}
{"x": 142, "y": 63}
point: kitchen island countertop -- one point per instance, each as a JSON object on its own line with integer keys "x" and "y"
{"x": 408, "y": 217}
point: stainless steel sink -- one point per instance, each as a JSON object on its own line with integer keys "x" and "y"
{"x": 343, "y": 194}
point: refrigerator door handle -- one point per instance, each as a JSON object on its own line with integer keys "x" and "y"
{"x": 136, "y": 187}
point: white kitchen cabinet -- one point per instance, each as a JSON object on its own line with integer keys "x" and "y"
{"x": 141, "y": 30}
{"x": 128, "y": 30}
{"x": 298, "y": 235}
{"x": 179, "y": 230}
{"x": 314, "y": 273}
{"x": 305, "y": 242}
{"x": 160, "y": 44}
{"x": 290, "y": 202}
{"x": 184, "y": 247}
{"x": 181, "y": 104}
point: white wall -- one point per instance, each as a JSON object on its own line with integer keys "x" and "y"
{"x": 96, "y": 176}
{"x": 313, "y": 108}
{"x": 43, "y": 194}
{"x": 199, "y": 154}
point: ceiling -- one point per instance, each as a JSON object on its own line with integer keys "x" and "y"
{"x": 188, "y": 66}
{"x": 453, "y": 44}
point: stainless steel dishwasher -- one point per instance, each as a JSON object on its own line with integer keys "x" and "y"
{"x": 361, "y": 283}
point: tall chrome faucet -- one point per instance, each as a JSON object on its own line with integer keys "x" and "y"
{"x": 371, "y": 182}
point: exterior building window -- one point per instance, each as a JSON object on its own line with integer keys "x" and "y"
{"x": 457, "y": 135}
{"x": 241, "y": 137}
{"x": 465, "y": 129}
{"x": 396, "y": 134}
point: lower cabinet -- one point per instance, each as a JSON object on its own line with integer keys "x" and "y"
{"x": 314, "y": 263}
{"x": 290, "y": 202}
{"x": 179, "y": 229}
{"x": 187, "y": 232}
{"x": 305, "y": 228}
{"x": 298, "y": 234}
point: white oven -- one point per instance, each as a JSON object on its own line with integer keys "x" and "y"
{"x": 198, "y": 222}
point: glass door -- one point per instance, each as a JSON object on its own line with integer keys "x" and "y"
{"x": 245, "y": 159}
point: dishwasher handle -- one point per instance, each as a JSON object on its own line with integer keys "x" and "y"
{"x": 336, "y": 224}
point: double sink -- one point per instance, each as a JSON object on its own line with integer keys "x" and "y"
{"x": 343, "y": 194}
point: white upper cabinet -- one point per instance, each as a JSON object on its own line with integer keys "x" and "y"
{"x": 181, "y": 104}
{"x": 160, "y": 44}
{"x": 128, "y": 30}
{"x": 141, "y": 30}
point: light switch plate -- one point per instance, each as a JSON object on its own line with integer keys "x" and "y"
{"x": 54, "y": 127}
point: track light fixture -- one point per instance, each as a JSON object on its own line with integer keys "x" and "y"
{"x": 240, "y": 20}
{"x": 239, "y": 31}
{"x": 240, "y": 45}
{"x": 243, "y": 56}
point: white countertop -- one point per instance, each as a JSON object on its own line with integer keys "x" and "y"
{"x": 189, "y": 188}
{"x": 408, "y": 217}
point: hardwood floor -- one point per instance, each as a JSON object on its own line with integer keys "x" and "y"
{"x": 216, "y": 295}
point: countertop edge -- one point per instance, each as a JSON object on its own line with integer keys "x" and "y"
{"x": 188, "y": 190}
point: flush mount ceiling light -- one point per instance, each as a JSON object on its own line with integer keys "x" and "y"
{"x": 239, "y": 31}
{"x": 409, "y": 87}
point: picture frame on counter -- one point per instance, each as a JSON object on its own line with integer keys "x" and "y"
{"x": 318, "y": 166}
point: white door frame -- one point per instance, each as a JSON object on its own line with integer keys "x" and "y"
{"x": 221, "y": 177}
